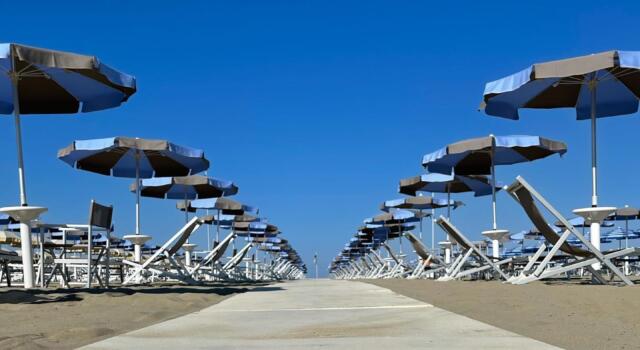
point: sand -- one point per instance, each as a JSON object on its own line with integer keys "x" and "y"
{"x": 570, "y": 316}
{"x": 65, "y": 319}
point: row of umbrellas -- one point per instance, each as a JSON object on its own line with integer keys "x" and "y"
{"x": 43, "y": 81}
{"x": 596, "y": 86}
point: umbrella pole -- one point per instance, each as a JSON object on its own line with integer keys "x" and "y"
{"x": 218, "y": 228}
{"x": 208, "y": 233}
{"x": 493, "y": 183}
{"x": 433, "y": 227}
{"x": 137, "y": 249}
{"x": 420, "y": 224}
{"x": 594, "y": 166}
{"x": 16, "y": 119}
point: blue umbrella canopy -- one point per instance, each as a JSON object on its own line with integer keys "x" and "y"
{"x": 477, "y": 156}
{"x": 441, "y": 183}
{"x": 596, "y": 86}
{"x": 185, "y": 187}
{"x": 134, "y": 157}
{"x": 418, "y": 203}
{"x": 568, "y": 83}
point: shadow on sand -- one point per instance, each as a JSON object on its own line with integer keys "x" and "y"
{"x": 62, "y": 295}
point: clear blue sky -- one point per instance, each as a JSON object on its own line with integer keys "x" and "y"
{"x": 316, "y": 109}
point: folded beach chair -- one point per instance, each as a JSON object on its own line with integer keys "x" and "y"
{"x": 527, "y": 197}
{"x": 468, "y": 249}
{"x": 156, "y": 266}
{"x": 427, "y": 259}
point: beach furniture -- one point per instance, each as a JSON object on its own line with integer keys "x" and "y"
{"x": 446, "y": 183}
{"x": 427, "y": 259}
{"x": 529, "y": 198}
{"x": 42, "y": 81}
{"x": 153, "y": 268}
{"x": 480, "y": 156}
{"x": 468, "y": 249}
{"x": 84, "y": 257}
{"x": 600, "y": 85}
{"x": 214, "y": 255}
{"x": 132, "y": 157}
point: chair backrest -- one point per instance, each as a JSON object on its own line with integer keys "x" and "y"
{"x": 524, "y": 197}
{"x": 421, "y": 251}
{"x": 237, "y": 259}
{"x": 187, "y": 230}
{"x": 453, "y": 233}
{"x": 100, "y": 215}
{"x": 221, "y": 250}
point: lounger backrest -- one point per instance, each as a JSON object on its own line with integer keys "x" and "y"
{"x": 187, "y": 230}
{"x": 421, "y": 251}
{"x": 453, "y": 233}
{"x": 237, "y": 259}
{"x": 525, "y": 198}
{"x": 221, "y": 250}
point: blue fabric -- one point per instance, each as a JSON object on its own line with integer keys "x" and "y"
{"x": 436, "y": 182}
{"x": 93, "y": 95}
{"x": 612, "y": 96}
{"x": 126, "y": 167}
{"x": 179, "y": 191}
{"x": 436, "y": 203}
{"x": 209, "y": 203}
{"x": 441, "y": 161}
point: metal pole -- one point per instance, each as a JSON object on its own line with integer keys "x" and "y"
{"x": 137, "y": 249}
{"x": 16, "y": 119}
{"x": 218, "y": 227}
{"x": 433, "y": 226}
{"x": 594, "y": 167}
{"x": 493, "y": 182}
{"x": 420, "y": 224}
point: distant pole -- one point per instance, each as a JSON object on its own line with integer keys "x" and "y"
{"x": 315, "y": 263}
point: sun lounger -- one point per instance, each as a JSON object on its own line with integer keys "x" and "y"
{"x": 468, "y": 248}
{"x": 214, "y": 255}
{"x": 426, "y": 258}
{"x": 167, "y": 252}
{"x": 527, "y": 197}
{"x": 237, "y": 258}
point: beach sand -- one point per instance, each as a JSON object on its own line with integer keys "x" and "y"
{"x": 66, "y": 319}
{"x": 571, "y": 316}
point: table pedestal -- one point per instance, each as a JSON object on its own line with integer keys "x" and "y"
{"x": 593, "y": 216}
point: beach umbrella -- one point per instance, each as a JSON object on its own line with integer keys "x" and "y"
{"x": 579, "y": 221}
{"x": 184, "y": 188}
{"x": 446, "y": 183}
{"x": 600, "y": 85}
{"x": 419, "y": 204}
{"x": 479, "y": 156}
{"x": 132, "y": 157}
{"x": 41, "y": 81}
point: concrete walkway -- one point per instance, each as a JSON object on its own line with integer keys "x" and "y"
{"x": 321, "y": 314}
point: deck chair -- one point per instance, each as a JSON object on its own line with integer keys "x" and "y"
{"x": 167, "y": 252}
{"x": 7, "y": 257}
{"x": 96, "y": 257}
{"x": 237, "y": 258}
{"x": 426, "y": 257}
{"x": 527, "y": 197}
{"x": 468, "y": 249}
{"x": 214, "y": 255}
